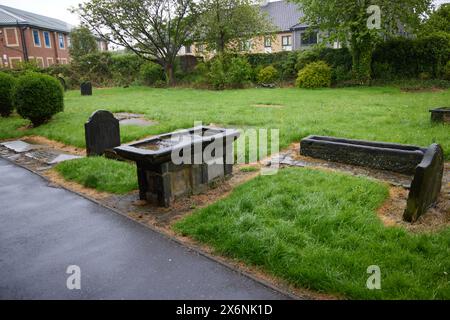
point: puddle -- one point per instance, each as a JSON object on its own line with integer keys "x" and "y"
{"x": 133, "y": 119}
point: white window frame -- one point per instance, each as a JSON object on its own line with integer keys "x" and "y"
{"x": 40, "y": 59}
{"x": 34, "y": 39}
{"x": 267, "y": 39}
{"x": 49, "y": 38}
{"x": 6, "y": 37}
{"x": 14, "y": 58}
{"x": 62, "y": 60}
{"x": 48, "y": 61}
{"x": 63, "y": 41}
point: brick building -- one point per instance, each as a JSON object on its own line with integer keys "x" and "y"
{"x": 25, "y": 36}
{"x": 291, "y": 34}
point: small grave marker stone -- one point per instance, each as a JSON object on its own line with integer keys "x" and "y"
{"x": 102, "y": 133}
{"x": 86, "y": 89}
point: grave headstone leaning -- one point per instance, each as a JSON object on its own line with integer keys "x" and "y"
{"x": 426, "y": 184}
{"x": 102, "y": 132}
{"x": 86, "y": 88}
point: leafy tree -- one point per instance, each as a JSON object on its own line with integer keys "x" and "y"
{"x": 227, "y": 22}
{"x": 347, "y": 21}
{"x": 438, "y": 21}
{"x": 153, "y": 29}
{"x": 82, "y": 42}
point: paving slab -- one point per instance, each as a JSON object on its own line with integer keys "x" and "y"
{"x": 44, "y": 229}
{"x": 19, "y": 146}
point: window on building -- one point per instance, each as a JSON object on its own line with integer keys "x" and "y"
{"x": 267, "y": 42}
{"x": 47, "y": 41}
{"x": 286, "y": 42}
{"x": 200, "y": 48}
{"x": 309, "y": 38}
{"x": 187, "y": 49}
{"x": 40, "y": 62}
{"x": 68, "y": 42}
{"x": 246, "y": 45}
{"x": 12, "y": 40}
{"x": 62, "y": 45}
{"x": 36, "y": 38}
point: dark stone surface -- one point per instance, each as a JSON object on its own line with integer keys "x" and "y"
{"x": 426, "y": 185}
{"x": 49, "y": 229}
{"x": 160, "y": 180}
{"x": 440, "y": 115}
{"x": 86, "y": 89}
{"x": 377, "y": 155}
{"x": 102, "y": 132}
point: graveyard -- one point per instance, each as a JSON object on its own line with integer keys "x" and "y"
{"x": 349, "y": 167}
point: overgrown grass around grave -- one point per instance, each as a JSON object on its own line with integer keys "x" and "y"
{"x": 320, "y": 230}
{"x": 101, "y": 174}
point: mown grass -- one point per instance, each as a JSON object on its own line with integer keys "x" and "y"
{"x": 101, "y": 174}
{"x": 320, "y": 230}
{"x": 373, "y": 113}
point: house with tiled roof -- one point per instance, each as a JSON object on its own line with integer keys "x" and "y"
{"x": 26, "y": 36}
{"x": 291, "y": 33}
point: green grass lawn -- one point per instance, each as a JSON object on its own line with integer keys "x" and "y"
{"x": 101, "y": 174}
{"x": 377, "y": 113}
{"x": 319, "y": 230}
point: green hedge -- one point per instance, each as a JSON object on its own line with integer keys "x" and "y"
{"x": 7, "y": 83}
{"x": 403, "y": 58}
{"x": 38, "y": 97}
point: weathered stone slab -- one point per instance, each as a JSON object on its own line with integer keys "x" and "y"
{"x": 63, "y": 157}
{"x": 19, "y": 146}
{"x": 377, "y": 155}
{"x": 86, "y": 89}
{"x": 137, "y": 122}
{"x": 426, "y": 184}
{"x": 102, "y": 132}
{"x": 440, "y": 115}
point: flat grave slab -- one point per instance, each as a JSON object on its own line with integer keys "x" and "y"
{"x": 133, "y": 119}
{"x": 19, "y": 146}
{"x": 50, "y": 157}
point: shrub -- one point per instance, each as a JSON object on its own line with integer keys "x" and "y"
{"x": 340, "y": 74}
{"x": 7, "y": 82}
{"x": 125, "y": 68}
{"x": 306, "y": 57}
{"x": 268, "y": 75}
{"x": 239, "y": 72}
{"x": 446, "y": 75}
{"x": 216, "y": 74}
{"x": 38, "y": 97}
{"x": 314, "y": 75}
{"x": 407, "y": 58}
{"x": 151, "y": 72}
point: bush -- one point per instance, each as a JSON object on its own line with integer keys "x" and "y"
{"x": 447, "y": 71}
{"x": 151, "y": 72}
{"x": 125, "y": 68}
{"x": 239, "y": 72}
{"x": 306, "y": 57}
{"x": 314, "y": 75}
{"x": 267, "y": 75}
{"x": 408, "y": 58}
{"x": 38, "y": 97}
{"x": 216, "y": 74}
{"x": 6, "y": 94}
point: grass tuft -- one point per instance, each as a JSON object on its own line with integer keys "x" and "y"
{"x": 101, "y": 174}
{"x": 320, "y": 230}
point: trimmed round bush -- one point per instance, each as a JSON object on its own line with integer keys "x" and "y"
{"x": 38, "y": 97}
{"x": 314, "y": 75}
{"x": 151, "y": 73}
{"x": 7, "y": 82}
{"x": 267, "y": 75}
